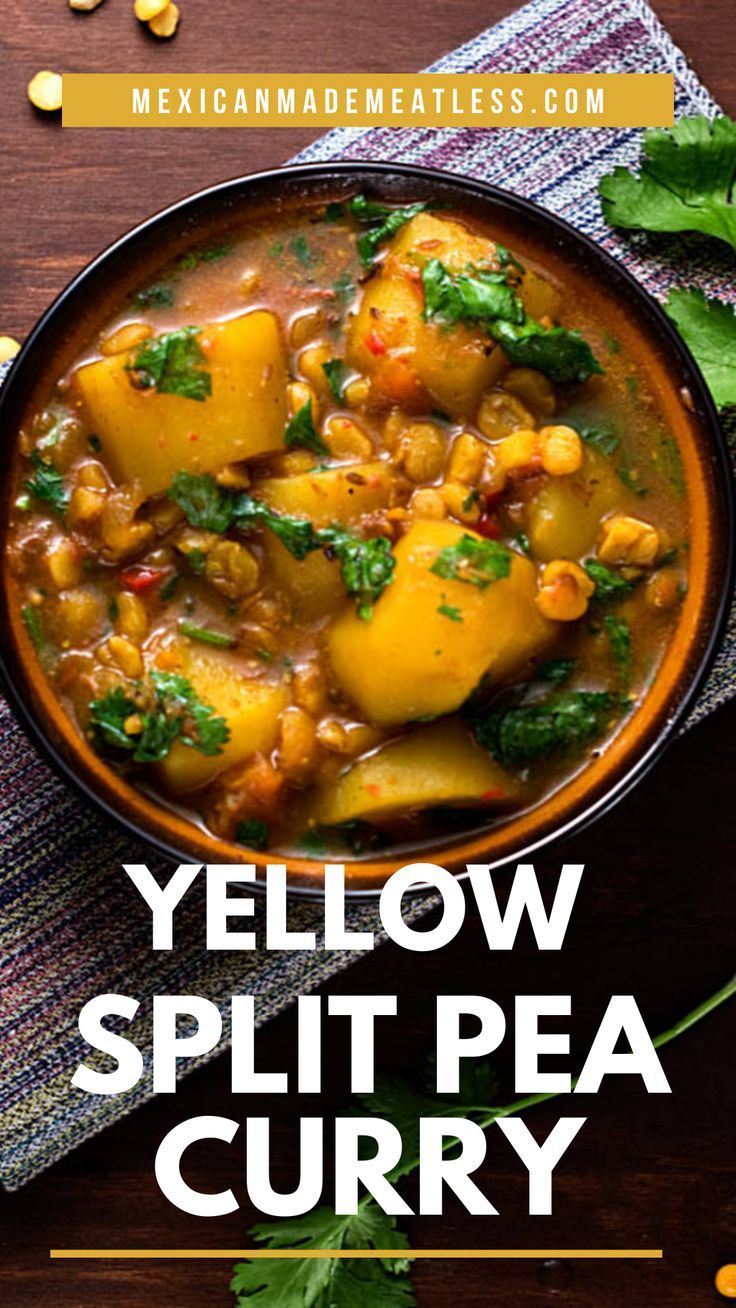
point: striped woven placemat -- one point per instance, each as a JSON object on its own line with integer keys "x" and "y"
{"x": 71, "y": 925}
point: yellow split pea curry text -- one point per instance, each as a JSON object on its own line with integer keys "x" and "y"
{"x": 349, "y": 533}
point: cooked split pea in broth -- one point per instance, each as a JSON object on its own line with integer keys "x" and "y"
{"x": 350, "y": 530}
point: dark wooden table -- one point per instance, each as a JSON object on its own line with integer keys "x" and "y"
{"x": 655, "y": 915}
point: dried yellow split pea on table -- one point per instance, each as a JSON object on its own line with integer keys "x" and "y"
{"x": 84, "y": 6}
{"x": 145, "y": 10}
{"x": 165, "y": 23}
{"x": 44, "y": 91}
{"x": 9, "y": 347}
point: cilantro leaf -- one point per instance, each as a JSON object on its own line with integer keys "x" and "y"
{"x": 685, "y": 181}
{"x": 619, "y": 637}
{"x": 367, "y": 566}
{"x": 708, "y": 327}
{"x": 450, "y": 611}
{"x": 335, "y": 370}
{"x": 158, "y": 296}
{"x": 206, "y": 504}
{"x": 47, "y": 484}
{"x": 557, "y": 671}
{"x": 478, "y": 562}
{"x": 33, "y": 625}
{"x": 172, "y": 364}
{"x": 473, "y": 296}
{"x": 252, "y": 832}
{"x": 560, "y": 353}
{"x": 168, "y": 710}
{"x": 296, "y": 534}
{"x": 300, "y": 430}
{"x": 382, "y": 222}
{"x": 327, "y": 1282}
{"x": 517, "y": 734}
{"x": 601, "y": 437}
{"x": 609, "y": 586}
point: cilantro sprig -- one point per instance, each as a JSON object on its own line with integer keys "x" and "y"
{"x": 520, "y": 733}
{"x": 166, "y": 709}
{"x": 381, "y": 221}
{"x": 367, "y": 566}
{"x": 300, "y": 430}
{"x": 477, "y": 562}
{"x": 172, "y": 364}
{"x": 484, "y": 297}
{"x": 477, "y": 296}
{"x": 385, "y": 1282}
{"x": 47, "y": 484}
{"x": 685, "y": 181}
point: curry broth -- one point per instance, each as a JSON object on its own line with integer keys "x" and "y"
{"x": 116, "y": 584}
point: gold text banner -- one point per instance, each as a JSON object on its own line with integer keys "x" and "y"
{"x": 362, "y": 100}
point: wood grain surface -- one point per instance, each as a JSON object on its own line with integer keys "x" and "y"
{"x": 655, "y": 915}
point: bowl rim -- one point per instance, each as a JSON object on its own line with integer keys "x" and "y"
{"x": 668, "y": 338}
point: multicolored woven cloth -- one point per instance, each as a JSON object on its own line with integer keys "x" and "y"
{"x": 71, "y": 924}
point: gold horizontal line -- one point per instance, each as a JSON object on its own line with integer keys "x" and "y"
{"x": 355, "y": 1253}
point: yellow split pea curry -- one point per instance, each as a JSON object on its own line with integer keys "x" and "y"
{"x": 350, "y": 533}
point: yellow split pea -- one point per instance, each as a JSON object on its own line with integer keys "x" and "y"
{"x": 166, "y": 23}
{"x": 44, "y": 91}
{"x": 9, "y": 347}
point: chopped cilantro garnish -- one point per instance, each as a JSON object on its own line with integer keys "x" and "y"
{"x": 344, "y": 287}
{"x": 168, "y": 589}
{"x": 33, "y": 624}
{"x": 557, "y": 671}
{"x": 335, "y": 371}
{"x": 253, "y": 833}
{"x": 207, "y": 254}
{"x": 630, "y": 478}
{"x": 478, "y": 562}
{"x": 47, "y": 484}
{"x": 484, "y": 297}
{"x": 206, "y": 504}
{"x": 302, "y": 250}
{"x": 158, "y": 296}
{"x": 619, "y": 637}
{"x": 518, "y": 734}
{"x": 367, "y": 565}
{"x": 300, "y": 430}
{"x": 205, "y": 635}
{"x": 334, "y": 213}
{"x": 172, "y": 364}
{"x": 609, "y": 586}
{"x": 672, "y": 460}
{"x": 382, "y": 223}
{"x": 450, "y": 611}
{"x": 559, "y": 352}
{"x": 685, "y": 181}
{"x": 167, "y": 709}
{"x": 522, "y": 540}
{"x": 600, "y": 436}
{"x": 473, "y": 296}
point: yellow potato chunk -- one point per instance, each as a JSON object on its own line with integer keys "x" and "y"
{"x": 251, "y": 709}
{"x": 563, "y": 520}
{"x": 149, "y": 436}
{"x": 437, "y": 764}
{"x": 412, "y": 659}
{"x": 343, "y": 494}
{"x": 408, "y": 358}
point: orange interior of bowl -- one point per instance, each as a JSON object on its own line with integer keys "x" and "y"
{"x": 588, "y": 787}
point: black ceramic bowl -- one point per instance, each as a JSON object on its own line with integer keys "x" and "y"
{"x": 683, "y": 397}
